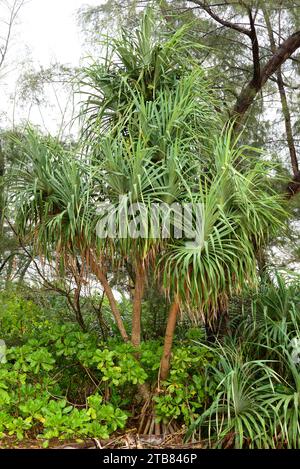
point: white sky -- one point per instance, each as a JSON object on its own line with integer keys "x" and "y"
{"x": 46, "y": 32}
{"x": 49, "y": 29}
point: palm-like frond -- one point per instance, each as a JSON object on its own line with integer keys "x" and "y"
{"x": 51, "y": 196}
{"x": 284, "y": 403}
{"x": 141, "y": 69}
{"x": 239, "y": 213}
{"x": 239, "y": 415}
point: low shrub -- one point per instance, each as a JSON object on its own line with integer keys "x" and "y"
{"x": 61, "y": 382}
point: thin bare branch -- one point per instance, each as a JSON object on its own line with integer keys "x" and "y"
{"x": 220, "y": 20}
{"x": 14, "y": 11}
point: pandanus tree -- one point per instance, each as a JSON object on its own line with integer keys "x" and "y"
{"x": 154, "y": 132}
{"x": 145, "y": 106}
{"x": 152, "y": 135}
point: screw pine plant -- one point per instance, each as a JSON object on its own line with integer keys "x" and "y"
{"x": 152, "y": 133}
{"x": 239, "y": 415}
{"x": 159, "y": 149}
{"x": 150, "y": 104}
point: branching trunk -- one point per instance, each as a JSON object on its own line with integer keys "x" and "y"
{"x": 169, "y": 336}
{"x": 260, "y": 75}
{"x": 250, "y": 91}
{"x": 137, "y": 304}
{"x": 76, "y": 308}
{"x": 97, "y": 271}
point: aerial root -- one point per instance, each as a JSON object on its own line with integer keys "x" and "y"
{"x": 149, "y": 425}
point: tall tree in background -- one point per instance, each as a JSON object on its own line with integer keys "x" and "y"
{"x": 269, "y": 54}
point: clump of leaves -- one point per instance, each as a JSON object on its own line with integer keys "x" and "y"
{"x": 61, "y": 382}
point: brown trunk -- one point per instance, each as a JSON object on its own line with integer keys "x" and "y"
{"x": 244, "y": 101}
{"x": 283, "y": 99}
{"x": 249, "y": 92}
{"x": 137, "y": 304}
{"x": 108, "y": 291}
{"x": 294, "y": 186}
{"x": 260, "y": 76}
{"x": 288, "y": 125}
{"x": 169, "y": 336}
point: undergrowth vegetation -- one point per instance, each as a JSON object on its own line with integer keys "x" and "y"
{"x": 239, "y": 390}
{"x": 59, "y": 381}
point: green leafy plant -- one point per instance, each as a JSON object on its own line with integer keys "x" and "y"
{"x": 185, "y": 393}
{"x": 239, "y": 415}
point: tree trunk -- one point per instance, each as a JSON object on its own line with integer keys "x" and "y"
{"x": 249, "y": 92}
{"x": 137, "y": 304}
{"x": 244, "y": 101}
{"x": 108, "y": 291}
{"x": 294, "y": 186}
{"x": 283, "y": 99}
{"x": 169, "y": 336}
{"x": 288, "y": 125}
